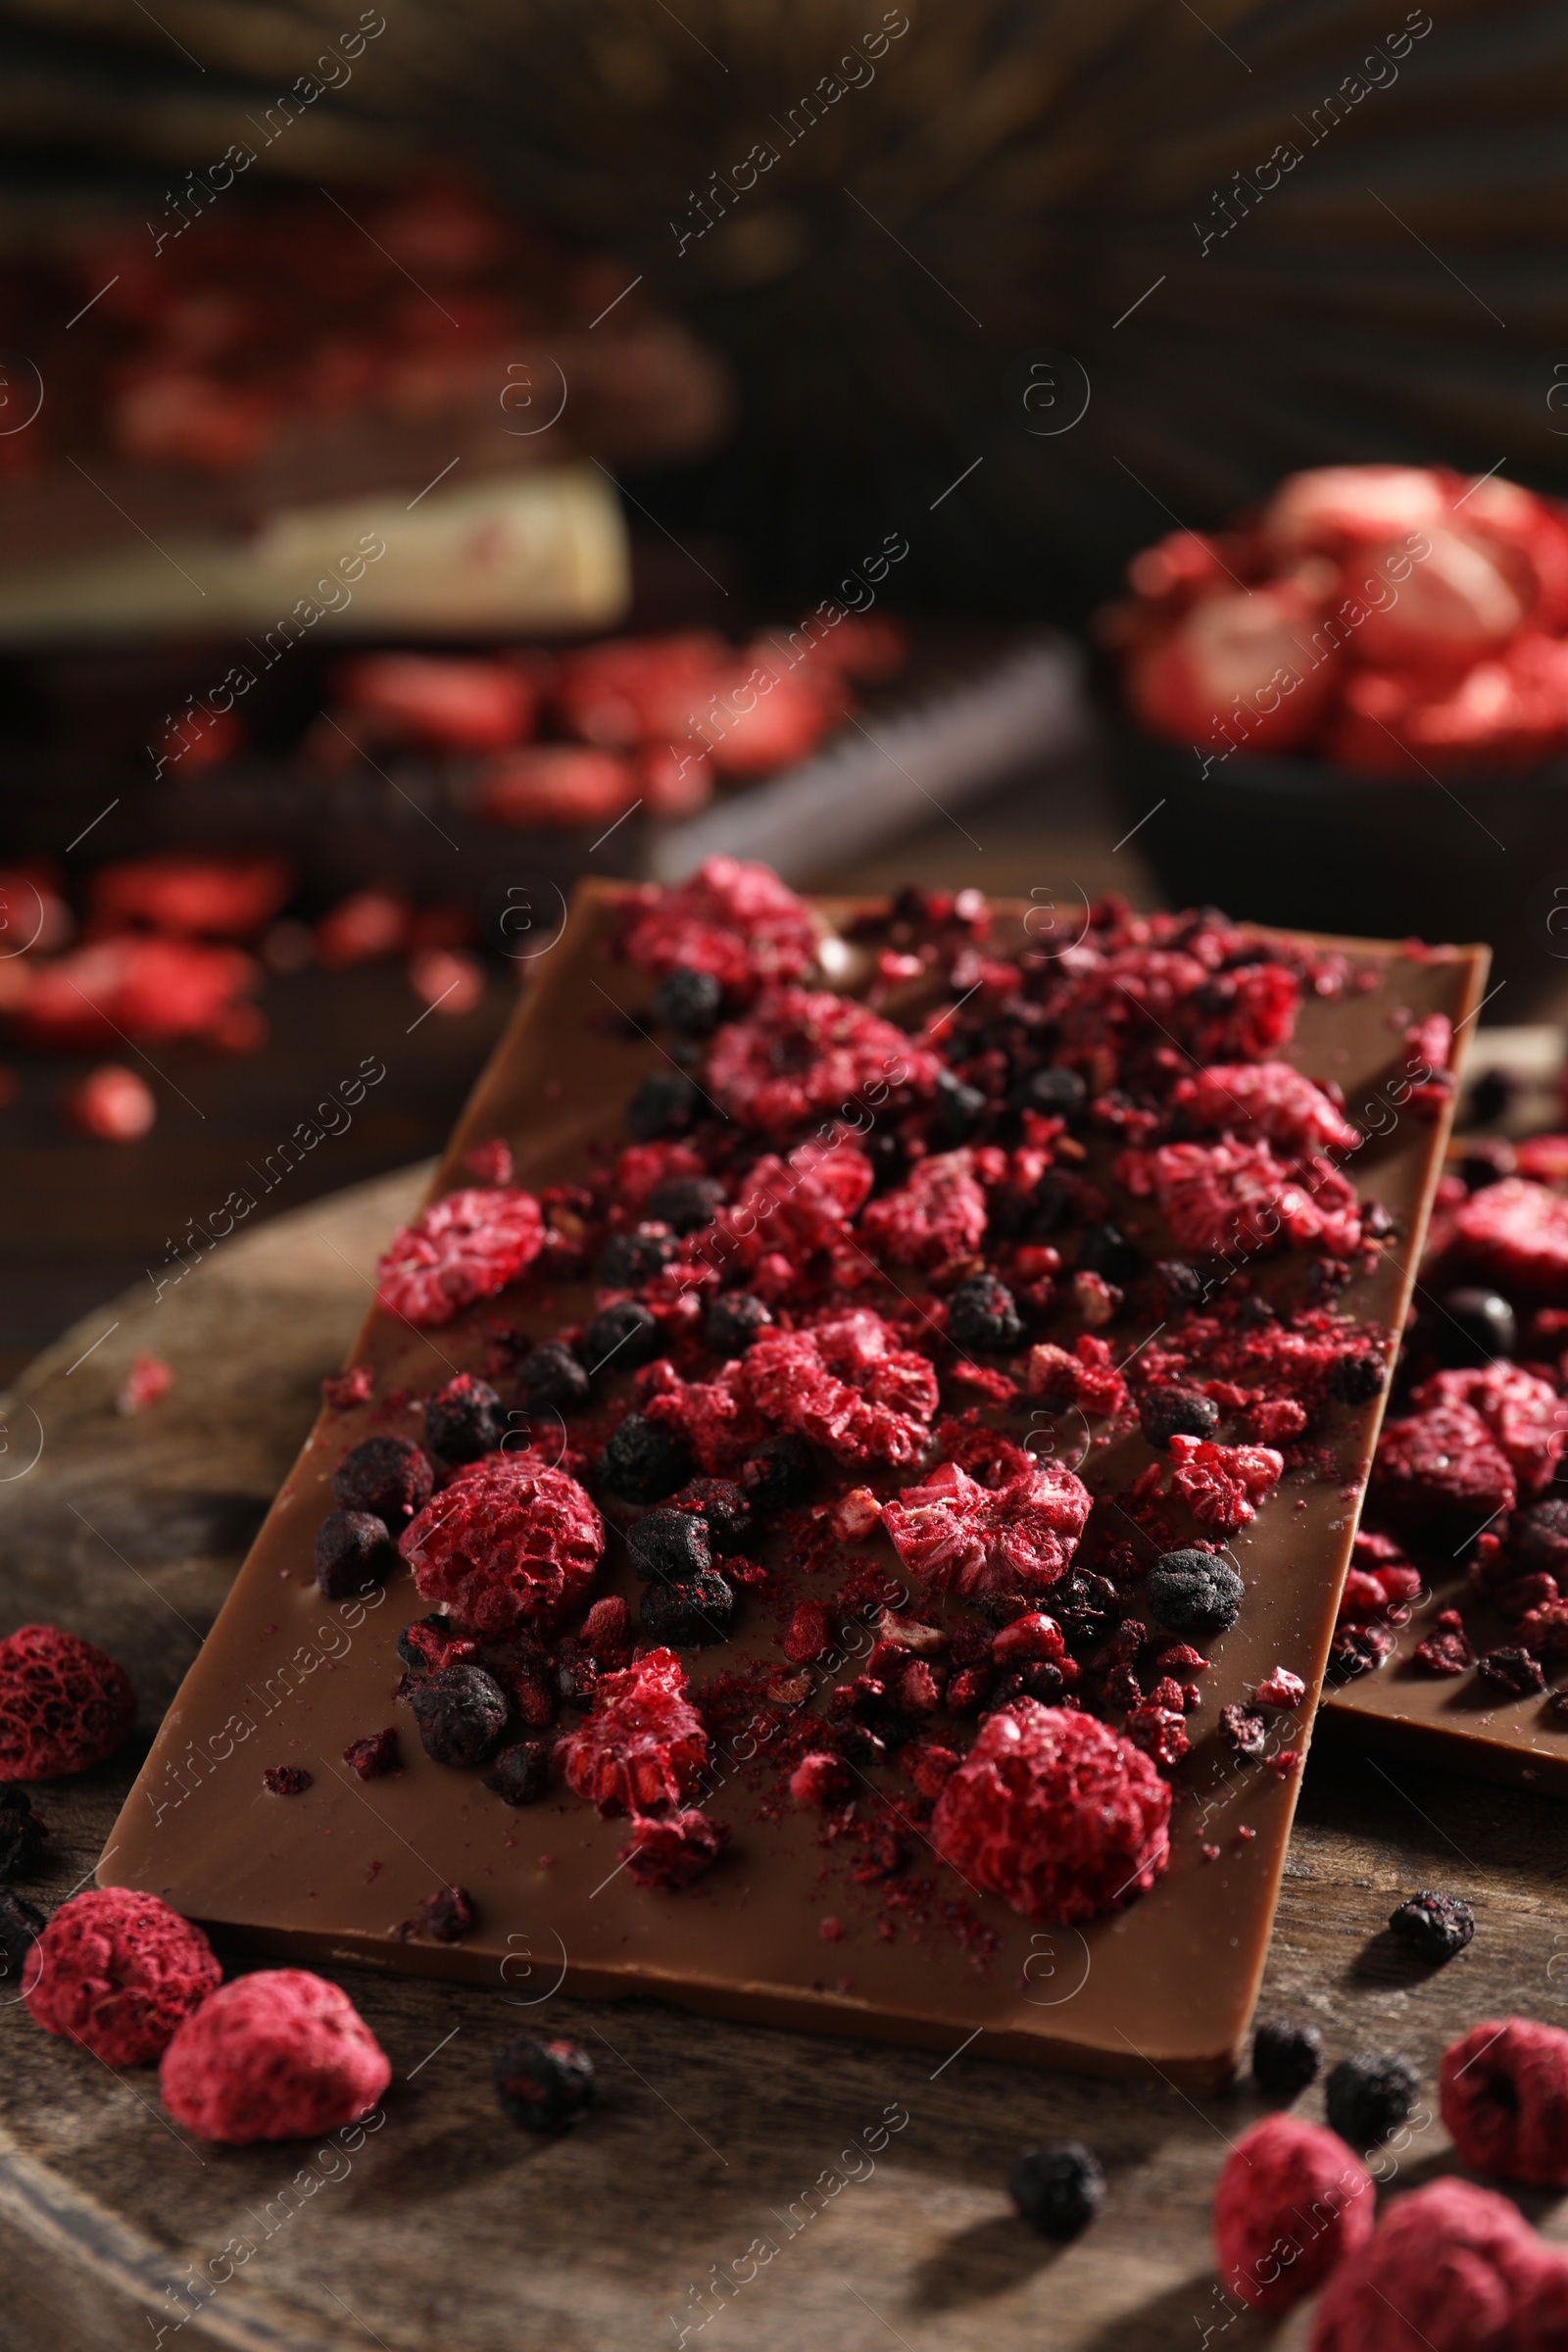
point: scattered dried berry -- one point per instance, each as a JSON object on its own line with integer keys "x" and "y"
{"x": 1448, "y": 1649}
{"x": 544, "y": 2085}
{"x": 735, "y": 920}
{"x": 64, "y": 1705}
{"x": 1167, "y": 1413}
{"x": 21, "y": 1925}
{"x": 800, "y": 1054}
{"x": 620, "y": 1336}
{"x": 461, "y": 1713}
{"x": 636, "y": 1256}
{"x": 390, "y": 1478}
{"x": 1450, "y": 2269}
{"x": 375, "y": 1755}
{"x": 278, "y": 2055}
{"x": 685, "y": 1203}
{"x": 1059, "y": 2188}
{"x": 664, "y": 1103}
{"x": 22, "y": 1836}
{"x": 354, "y": 1554}
{"x": 689, "y": 1612}
{"x": 723, "y": 1509}
{"x": 522, "y": 1773}
{"x": 1359, "y": 1649}
{"x": 509, "y": 1541}
{"x": 1356, "y": 1379}
{"x": 733, "y": 1322}
{"x": 667, "y": 1543}
{"x": 1434, "y": 1925}
{"x": 148, "y": 1379}
{"x": 1289, "y": 2205}
{"x": 466, "y": 1246}
{"x": 1245, "y": 1734}
{"x": 119, "y": 1971}
{"x": 821, "y": 1779}
{"x": 779, "y": 1476}
{"x": 688, "y": 1002}
{"x": 1223, "y": 1484}
{"x": 286, "y": 1780}
{"x": 955, "y": 1534}
{"x": 1282, "y": 1690}
{"x": 1056, "y": 1813}
{"x": 643, "y": 1746}
{"x": 982, "y": 1313}
{"x": 1512, "y": 1671}
{"x": 449, "y": 1914}
{"x": 670, "y": 1852}
{"x": 1503, "y": 2089}
{"x": 1472, "y": 1327}
{"x": 552, "y": 1380}
{"x": 1286, "y": 2056}
{"x": 1368, "y": 2096}
{"x": 465, "y": 1420}
{"x": 1193, "y": 1593}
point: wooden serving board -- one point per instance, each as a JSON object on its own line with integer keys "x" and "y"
{"x": 449, "y": 2227}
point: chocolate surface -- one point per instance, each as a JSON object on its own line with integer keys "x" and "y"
{"x": 778, "y": 1932}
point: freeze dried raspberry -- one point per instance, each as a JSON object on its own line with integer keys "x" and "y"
{"x": 342, "y": 1390}
{"x": 939, "y": 1215}
{"x": 803, "y": 1052}
{"x": 490, "y": 1161}
{"x": 1448, "y": 1649}
{"x": 607, "y": 1628}
{"x": 644, "y": 1744}
{"x": 953, "y": 1534}
{"x": 737, "y": 921}
{"x": 1291, "y": 2202}
{"x": 1517, "y": 1232}
{"x": 119, "y": 1971}
{"x": 1451, "y": 2269}
{"x": 1223, "y": 1484}
{"x": 1524, "y": 1414}
{"x": 278, "y": 2055}
{"x": 148, "y": 1379}
{"x": 509, "y": 1540}
{"x": 375, "y": 1755}
{"x": 1442, "y": 1470}
{"x": 1281, "y": 1690}
{"x": 64, "y": 1705}
{"x": 464, "y": 1246}
{"x": 1056, "y": 1813}
{"x": 1085, "y": 1377}
{"x": 846, "y": 1385}
{"x": 1159, "y": 1732}
{"x": 821, "y": 1779}
{"x": 670, "y": 1853}
{"x": 1269, "y": 1099}
{"x": 809, "y": 1636}
{"x": 1232, "y": 1197}
{"x": 794, "y": 1206}
{"x": 1505, "y": 2097}
{"x": 445, "y": 702}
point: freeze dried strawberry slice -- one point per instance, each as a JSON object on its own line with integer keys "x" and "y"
{"x": 1517, "y": 1232}
{"x": 955, "y": 1534}
{"x": 1219, "y": 1199}
{"x": 1268, "y": 1099}
{"x": 507, "y": 1542}
{"x": 738, "y": 921}
{"x": 803, "y": 1054}
{"x": 466, "y": 1246}
{"x": 644, "y": 1745}
{"x": 1056, "y": 1813}
{"x": 937, "y": 1215}
{"x": 1524, "y": 1412}
{"x": 847, "y": 1385}
{"x": 1441, "y": 1468}
{"x": 1223, "y": 1484}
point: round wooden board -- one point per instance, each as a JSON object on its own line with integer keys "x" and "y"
{"x": 711, "y": 2143}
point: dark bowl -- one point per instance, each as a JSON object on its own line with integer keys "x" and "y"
{"x": 1300, "y": 843}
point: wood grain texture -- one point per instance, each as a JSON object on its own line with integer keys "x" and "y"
{"x": 447, "y": 2228}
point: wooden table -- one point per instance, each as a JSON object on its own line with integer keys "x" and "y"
{"x": 451, "y": 2228}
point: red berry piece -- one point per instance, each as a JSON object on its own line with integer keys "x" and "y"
{"x": 1235, "y": 1198}
{"x": 737, "y": 922}
{"x": 286, "y": 1780}
{"x": 1223, "y": 1484}
{"x": 1448, "y": 1649}
{"x": 119, "y": 1971}
{"x": 466, "y": 1246}
{"x": 1517, "y": 1232}
{"x": 939, "y": 1215}
{"x": 521, "y": 1774}
{"x": 278, "y": 2055}
{"x": 1056, "y": 1813}
{"x": 802, "y": 1052}
{"x": 1451, "y": 2268}
{"x": 672, "y": 1852}
{"x": 1504, "y": 2097}
{"x": 847, "y": 1385}
{"x": 64, "y": 1705}
{"x": 644, "y": 1745}
{"x": 821, "y": 1779}
{"x": 1268, "y": 1099}
{"x": 449, "y": 1914}
{"x": 1441, "y": 1472}
{"x": 955, "y": 1534}
{"x": 375, "y": 1755}
{"x": 1291, "y": 2202}
{"x": 510, "y": 1542}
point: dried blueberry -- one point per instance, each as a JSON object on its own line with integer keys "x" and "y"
{"x": 1513, "y": 1670}
{"x": 521, "y": 1774}
{"x": 780, "y": 1474}
{"x": 1048, "y": 1204}
{"x": 1059, "y": 1094}
{"x": 959, "y": 1107}
{"x": 685, "y": 1203}
{"x": 354, "y": 1554}
{"x": 982, "y": 1313}
{"x": 733, "y": 1322}
{"x": 620, "y": 1338}
{"x": 1244, "y": 1732}
{"x": 1194, "y": 1592}
{"x": 688, "y": 1612}
{"x": 375, "y": 1755}
{"x": 461, "y": 1711}
{"x": 1368, "y": 2096}
{"x": 669, "y": 1544}
{"x": 688, "y": 1002}
{"x": 636, "y": 1256}
{"x": 721, "y": 1505}
{"x": 544, "y": 2085}
{"x": 1434, "y": 1925}
{"x": 1181, "y": 1281}
{"x": 666, "y": 1103}
{"x": 1355, "y": 1379}
{"x": 1538, "y": 1537}
{"x": 642, "y": 1461}
{"x": 21, "y": 1925}
{"x": 1286, "y": 2056}
{"x": 449, "y": 1914}
{"x": 551, "y": 1378}
{"x": 1359, "y": 1649}
{"x": 1473, "y": 1327}
{"x": 22, "y": 1836}
{"x": 389, "y": 1477}
{"x": 1174, "y": 1412}
{"x": 464, "y": 1421}
{"x": 1104, "y": 1249}
{"x": 1059, "y": 2188}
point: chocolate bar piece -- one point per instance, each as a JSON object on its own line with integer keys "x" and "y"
{"x": 848, "y": 1915}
